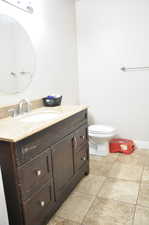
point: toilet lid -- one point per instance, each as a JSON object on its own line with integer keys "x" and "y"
{"x": 101, "y": 129}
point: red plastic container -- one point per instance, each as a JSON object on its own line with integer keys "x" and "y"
{"x": 125, "y": 146}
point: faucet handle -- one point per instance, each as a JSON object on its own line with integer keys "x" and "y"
{"x": 12, "y": 112}
{"x": 21, "y": 104}
{"x": 29, "y": 106}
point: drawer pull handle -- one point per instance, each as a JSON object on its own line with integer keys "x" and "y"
{"x": 75, "y": 142}
{"x": 38, "y": 173}
{"x": 42, "y": 203}
{"x": 83, "y": 158}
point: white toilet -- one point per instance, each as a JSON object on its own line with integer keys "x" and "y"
{"x": 99, "y": 136}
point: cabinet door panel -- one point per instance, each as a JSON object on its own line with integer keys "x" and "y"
{"x": 63, "y": 162}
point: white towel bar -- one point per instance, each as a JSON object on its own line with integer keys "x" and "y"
{"x": 125, "y": 69}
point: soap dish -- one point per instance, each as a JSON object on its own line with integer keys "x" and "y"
{"x": 52, "y": 101}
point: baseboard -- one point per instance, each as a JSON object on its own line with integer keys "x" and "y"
{"x": 142, "y": 144}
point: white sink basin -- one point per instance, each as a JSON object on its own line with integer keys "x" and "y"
{"x": 40, "y": 117}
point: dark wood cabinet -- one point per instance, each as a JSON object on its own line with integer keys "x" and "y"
{"x": 41, "y": 170}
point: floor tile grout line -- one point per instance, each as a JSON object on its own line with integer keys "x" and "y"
{"x": 80, "y": 223}
{"x": 103, "y": 175}
{"x": 122, "y": 179}
{"x": 114, "y": 178}
{"x": 61, "y": 217}
{"x": 88, "y": 210}
{"x": 128, "y": 203}
{"x": 106, "y": 177}
{"x": 138, "y": 195}
{"x": 96, "y": 196}
{"x": 81, "y": 192}
{"x": 147, "y": 207}
{"x": 133, "y": 218}
{"x": 110, "y": 199}
{"x": 118, "y": 160}
{"x": 118, "y": 180}
{"x": 140, "y": 183}
{"x": 101, "y": 186}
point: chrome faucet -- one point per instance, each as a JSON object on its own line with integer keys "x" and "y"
{"x": 21, "y": 106}
{"x": 24, "y": 105}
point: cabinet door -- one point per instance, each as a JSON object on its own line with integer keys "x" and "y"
{"x": 63, "y": 164}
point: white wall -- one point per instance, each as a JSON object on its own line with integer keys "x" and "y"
{"x": 52, "y": 31}
{"x": 3, "y": 209}
{"x": 113, "y": 34}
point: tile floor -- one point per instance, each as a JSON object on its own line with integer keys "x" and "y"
{"x": 116, "y": 192}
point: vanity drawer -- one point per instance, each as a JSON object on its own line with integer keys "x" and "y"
{"x": 31, "y": 146}
{"x": 81, "y": 156}
{"x": 80, "y": 137}
{"x": 34, "y": 174}
{"x": 37, "y": 208}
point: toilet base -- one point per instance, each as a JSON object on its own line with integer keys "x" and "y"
{"x": 100, "y": 149}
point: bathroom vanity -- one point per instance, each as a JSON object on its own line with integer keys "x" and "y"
{"x": 42, "y": 163}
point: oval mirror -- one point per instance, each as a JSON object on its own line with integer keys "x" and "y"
{"x": 17, "y": 57}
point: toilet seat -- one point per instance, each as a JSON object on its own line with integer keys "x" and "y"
{"x": 102, "y": 130}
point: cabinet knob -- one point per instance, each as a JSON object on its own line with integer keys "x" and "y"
{"x": 83, "y": 158}
{"x": 38, "y": 172}
{"x": 42, "y": 203}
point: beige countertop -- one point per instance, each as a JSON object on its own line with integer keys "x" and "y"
{"x": 15, "y": 129}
